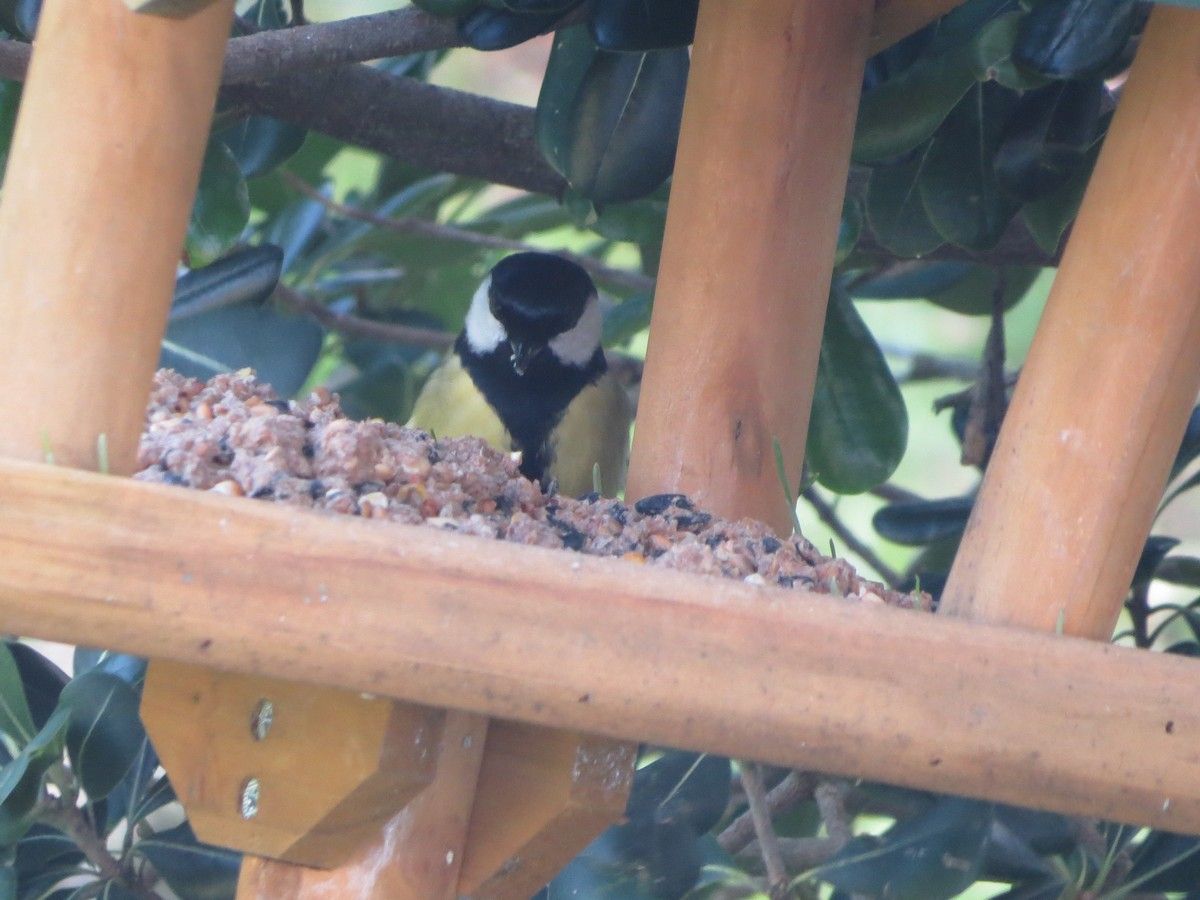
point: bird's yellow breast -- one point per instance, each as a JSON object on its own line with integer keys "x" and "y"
{"x": 594, "y": 429}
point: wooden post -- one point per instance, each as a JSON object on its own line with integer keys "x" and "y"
{"x": 1103, "y": 399}
{"x": 104, "y": 164}
{"x": 748, "y": 252}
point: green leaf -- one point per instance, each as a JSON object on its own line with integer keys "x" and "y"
{"x": 105, "y": 733}
{"x": 494, "y": 28}
{"x": 1184, "y": 570}
{"x": 222, "y": 207}
{"x": 849, "y": 229}
{"x": 1070, "y": 38}
{"x": 958, "y": 183}
{"x": 10, "y": 100}
{"x": 42, "y": 679}
{"x": 1048, "y": 137}
{"x": 904, "y": 112}
{"x": 1189, "y": 446}
{"x": 1047, "y": 217}
{"x": 446, "y": 7}
{"x": 859, "y": 425}
{"x": 22, "y": 779}
{"x": 260, "y": 144}
{"x": 281, "y": 347}
{"x": 896, "y": 211}
{"x": 44, "y": 847}
{"x": 972, "y": 296}
{"x": 193, "y": 870}
{"x": 627, "y": 318}
{"x": 15, "y": 718}
{"x": 934, "y": 855}
{"x": 913, "y": 280}
{"x": 635, "y": 25}
{"x": 609, "y": 122}
{"x": 131, "y": 669}
{"x": 680, "y": 787}
{"x": 247, "y": 276}
{"x": 916, "y": 523}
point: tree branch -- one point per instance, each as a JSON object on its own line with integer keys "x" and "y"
{"x": 69, "y": 819}
{"x": 768, "y": 841}
{"x": 622, "y": 278}
{"x": 795, "y": 788}
{"x": 355, "y": 326}
{"x": 272, "y": 53}
{"x": 306, "y": 75}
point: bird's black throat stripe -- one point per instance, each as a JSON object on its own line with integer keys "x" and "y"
{"x": 529, "y": 405}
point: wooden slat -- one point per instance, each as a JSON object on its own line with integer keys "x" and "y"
{"x": 1105, "y": 394}
{"x": 104, "y": 163}
{"x": 333, "y": 768}
{"x": 416, "y": 855}
{"x": 748, "y": 252}
{"x": 602, "y": 646}
{"x": 543, "y": 795}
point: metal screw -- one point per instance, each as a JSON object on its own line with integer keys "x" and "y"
{"x": 262, "y": 718}
{"x": 249, "y": 799}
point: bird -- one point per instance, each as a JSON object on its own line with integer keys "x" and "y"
{"x": 527, "y": 373}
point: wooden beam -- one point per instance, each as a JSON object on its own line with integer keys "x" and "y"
{"x": 104, "y": 163}
{"x": 748, "y": 252}
{"x": 602, "y": 646}
{"x": 1105, "y": 394}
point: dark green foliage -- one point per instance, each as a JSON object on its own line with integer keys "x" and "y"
{"x": 859, "y": 425}
{"x": 609, "y": 121}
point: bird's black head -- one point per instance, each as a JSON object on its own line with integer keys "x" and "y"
{"x": 537, "y": 297}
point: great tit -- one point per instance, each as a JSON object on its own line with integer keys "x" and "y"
{"x": 528, "y": 373}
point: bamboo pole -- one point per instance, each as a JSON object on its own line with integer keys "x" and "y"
{"x": 1105, "y": 394}
{"x": 748, "y": 252}
{"x": 100, "y": 180}
{"x": 603, "y": 646}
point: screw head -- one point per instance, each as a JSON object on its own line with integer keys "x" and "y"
{"x": 262, "y": 718}
{"x": 248, "y": 802}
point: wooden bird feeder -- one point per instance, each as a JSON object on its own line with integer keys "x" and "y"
{"x": 433, "y": 731}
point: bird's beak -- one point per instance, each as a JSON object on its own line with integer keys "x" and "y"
{"x": 523, "y": 353}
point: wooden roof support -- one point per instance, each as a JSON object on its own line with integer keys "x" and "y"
{"x": 778, "y": 171}
{"x": 602, "y": 646}
{"x": 748, "y": 252}
{"x": 1105, "y": 394}
{"x": 112, "y": 129}
{"x": 103, "y": 169}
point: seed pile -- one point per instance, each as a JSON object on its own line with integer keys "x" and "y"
{"x": 234, "y": 435}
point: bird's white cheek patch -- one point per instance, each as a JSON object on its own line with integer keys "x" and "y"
{"x": 577, "y": 346}
{"x": 483, "y": 330}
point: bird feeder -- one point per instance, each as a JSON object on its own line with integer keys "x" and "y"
{"x": 389, "y": 744}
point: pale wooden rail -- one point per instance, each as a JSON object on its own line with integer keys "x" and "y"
{"x": 604, "y": 646}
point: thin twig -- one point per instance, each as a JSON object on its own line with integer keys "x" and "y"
{"x": 356, "y": 326}
{"x": 827, "y": 514}
{"x": 795, "y": 788}
{"x": 768, "y": 841}
{"x": 633, "y": 281}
